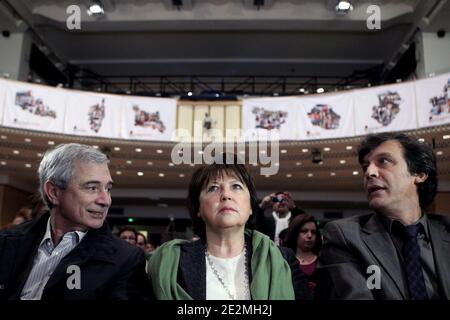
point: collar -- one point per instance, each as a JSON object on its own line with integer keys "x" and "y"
{"x": 277, "y": 218}
{"x": 79, "y": 235}
{"x": 391, "y": 225}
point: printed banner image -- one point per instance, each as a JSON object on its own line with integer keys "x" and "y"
{"x": 91, "y": 114}
{"x": 34, "y": 107}
{"x": 433, "y": 100}
{"x": 148, "y": 118}
{"x": 327, "y": 116}
{"x": 260, "y": 116}
{"x": 385, "y": 108}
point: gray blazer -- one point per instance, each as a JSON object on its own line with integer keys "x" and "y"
{"x": 353, "y": 244}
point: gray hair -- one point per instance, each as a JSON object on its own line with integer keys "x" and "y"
{"x": 58, "y": 165}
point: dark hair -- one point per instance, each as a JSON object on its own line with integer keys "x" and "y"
{"x": 294, "y": 229}
{"x": 127, "y": 228}
{"x": 419, "y": 158}
{"x": 229, "y": 166}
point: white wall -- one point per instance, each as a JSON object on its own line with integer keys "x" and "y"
{"x": 433, "y": 54}
{"x": 15, "y": 55}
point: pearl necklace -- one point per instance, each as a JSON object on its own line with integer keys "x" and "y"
{"x": 216, "y": 273}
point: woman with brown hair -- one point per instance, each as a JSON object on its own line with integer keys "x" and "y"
{"x": 304, "y": 238}
{"x": 228, "y": 261}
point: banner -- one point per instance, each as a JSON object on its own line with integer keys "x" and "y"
{"x": 261, "y": 116}
{"x": 433, "y": 100}
{"x": 385, "y": 108}
{"x": 325, "y": 116}
{"x": 148, "y": 118}
{"x": 91, "y": 114}
{"x": 34, "y": 107}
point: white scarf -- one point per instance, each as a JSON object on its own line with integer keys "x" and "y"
{"x": 280, "y": 224}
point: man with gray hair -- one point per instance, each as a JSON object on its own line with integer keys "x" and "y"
{"x": 70, "y": 253}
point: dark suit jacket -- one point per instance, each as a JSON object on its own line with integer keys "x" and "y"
{"x": 353, "y": 244}
{"x": 110, "y": 268}
{"x": 192, "y": 271}
{"x": 266, "y": 224}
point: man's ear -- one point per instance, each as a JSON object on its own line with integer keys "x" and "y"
{"x": 52, "y": 192}
{"x": 420, "y": 177}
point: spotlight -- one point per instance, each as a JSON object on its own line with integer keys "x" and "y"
{"x": 344, "y": 7}
{"x": 95, "y": 9}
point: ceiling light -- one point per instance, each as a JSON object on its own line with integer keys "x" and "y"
{"x": 342, "y": 161}
{"x": 320, "y": 90}
{"x": 51, "y": 143}
{"x": 421, "y": 140}
{"x": 16, "y": 151}
{"x": 310, "y": 175}
{"x": 344, "y": 6}
{"x": 171, "y": 164}
{"x": 349, "y": 147}
{"x": 39, "y": 154}
{"x": 326, "y": 149}
{"x": 116, "y": 148}
{"x": 27, "y": 140}
{"x": 140, "y": 173}
{"x": 181, "y": 175}
{"x": 447, "y": 136}
{"x": 3, "y": 137}
{"x": 439, "y": 153}
{"x": 95, "y": 147}
{"x": 298, "y": 163}
{"x": 129, "y": 162}
{"x": 302, "y": 90}
{"x": 332, "y": 174}
{"x": 149, "y": 163}
{"x": 289, "y": 175}
{"x": 95, "y": 9}
{"x": 304, "y": 150}
{"x": 355, "y": 173}
{"x": 161, "y": 175}
{"x": 283, "y": 151}
{"x": 27, "y": 165}
{"x": 190, "y": 94}
{"x": 159, "y": 151}
{"x": 3, "y": 163}
{"x": 118, "y": 173}
{"x": 138, "y": 150}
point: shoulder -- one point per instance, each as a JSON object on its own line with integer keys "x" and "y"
{"x": 351, "y": 224}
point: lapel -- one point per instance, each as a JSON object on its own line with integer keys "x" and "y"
{"x": 382, "y": 248}
{"x": 440, "y": 240}
{"x": 22, "y": 248}
{"x": 96, "y": 245}
{"x": 193, "y": 269}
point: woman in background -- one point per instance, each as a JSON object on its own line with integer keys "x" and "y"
{"x": 304, "y": 238}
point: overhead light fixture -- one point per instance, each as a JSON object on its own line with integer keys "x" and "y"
{"x": 320, "y": 90}
{"x": 344, "y": 7}
{"x": 95, "y": 9}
